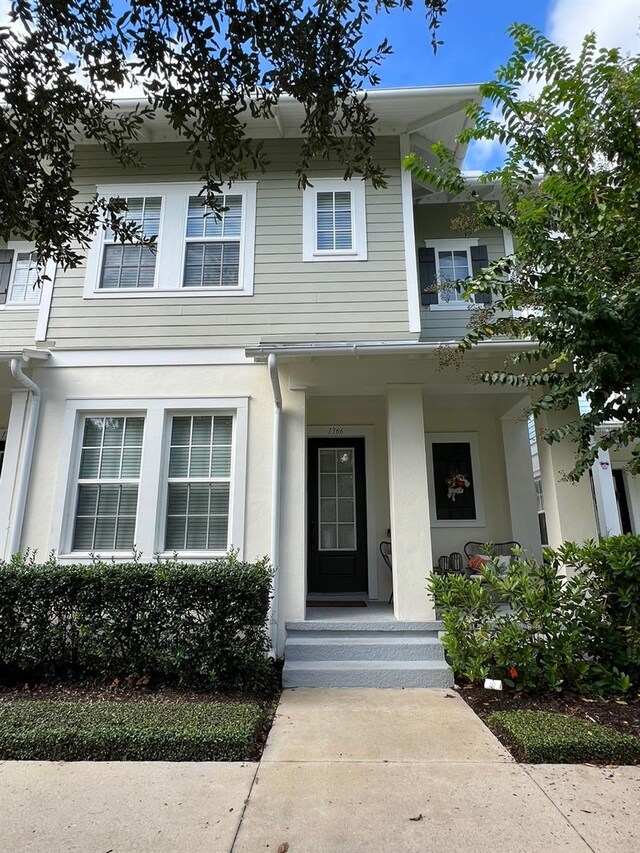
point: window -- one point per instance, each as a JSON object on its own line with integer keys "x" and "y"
{"x": 158, "y": 475}
{"x": 334, "y": 225}
{"x": 196, "y": 252}
{"x": 199, "y": 483}
{"x": 3, "y": 445}
{"x": 126, "y": 265}
{"x": 109, "y": 473}
{"x": 19, "y": 276}
{"x": 337, "y": 504}
{"x": 212, "y": 256}
{"x": 453, "y": 472}
{"x": 445, "y": 266}
{"x": 542, "y": 517}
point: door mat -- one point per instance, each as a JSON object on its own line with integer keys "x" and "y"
{"x": 338, "y": 602}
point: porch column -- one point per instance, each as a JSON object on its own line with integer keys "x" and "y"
{"x": 605, "y": 494}
{"x": 409, "y": 503}
{"x": 522, "y": 496}
{"x": 293, "y": 509}
{"x": 568, "y": 506}
{"x": 11, "y": 463}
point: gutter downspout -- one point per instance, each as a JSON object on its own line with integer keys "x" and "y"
{"x": 29, "y": 440}
{"x": 272, "y": 363}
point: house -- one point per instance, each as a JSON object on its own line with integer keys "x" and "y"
{"x": 272, "y": 381}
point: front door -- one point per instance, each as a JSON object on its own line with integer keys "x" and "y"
{"x": 337, "y": 521}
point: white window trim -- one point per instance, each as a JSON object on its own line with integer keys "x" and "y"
{"x": 452, "y": 246}
{"x": 154, "y": 466}
{"x": 46, "y": 287}
{"x": 170, "y": 259}
{"x": 470, "y": 438}
{"x": 358, "y": 252}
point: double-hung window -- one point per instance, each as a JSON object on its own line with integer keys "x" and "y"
{"x": 212, "y": 257}
{"x": 199, "y": 483}
{"x": 19, "y": 272}
{"x": 131, "y": 265}
{"x": 445, "y": 269}
{"x": 197, "y": 251}
{"x": 160, "y": 476}
{"x": 334, "y": 221}
{"x": 108, "y": 481}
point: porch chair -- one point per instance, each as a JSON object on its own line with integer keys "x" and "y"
{"x": 491, "y": 549}
{"x": 385, "y": 551}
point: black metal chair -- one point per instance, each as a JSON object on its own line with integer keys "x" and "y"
{"x": 385, "y": 551}
{"x": 456, "y": 563}
{"x": 494, "y": 549}
{"x": 491, "y": 549}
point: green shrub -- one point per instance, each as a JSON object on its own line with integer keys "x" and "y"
{"x": 203, "y": 624}
{"x": 129, "y": 731}
{"x": 612, "y": 568}
{"x": 523, "y": 624}
{"x": 541, "y": 737}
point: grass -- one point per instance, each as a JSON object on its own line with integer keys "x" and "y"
{"x": 542, "y": 737}
{"x": 130, "y": 731}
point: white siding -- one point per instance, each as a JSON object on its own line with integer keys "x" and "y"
{"x": 292, "y": 300}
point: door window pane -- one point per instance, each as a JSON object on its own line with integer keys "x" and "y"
{"x": 337, "y": 499}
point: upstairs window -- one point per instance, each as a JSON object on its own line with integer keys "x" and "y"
{"x": 18, "y": 278}
{"x": 334, "y": 216}
{"x": 196, "y": 252}
{"x": 212, "y": 257}
{"x": 445, "y": 266}
{"x": 127, "y": 265}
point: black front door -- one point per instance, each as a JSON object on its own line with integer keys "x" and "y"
{"x": 337, "y": 520}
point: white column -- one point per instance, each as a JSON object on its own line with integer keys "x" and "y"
{"x": 409, "y": 503}
{"x": 522, "y": 496}
{"x": 605, "y": 494}
{"x": 568, "y": 506}
{"x": 13, "y": 452}
{"x": 293, "y": 498}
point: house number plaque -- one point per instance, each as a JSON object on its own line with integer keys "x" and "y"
{"x": 335, "y": 430}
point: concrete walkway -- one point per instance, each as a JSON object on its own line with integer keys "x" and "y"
{"x": 344, "y": 771}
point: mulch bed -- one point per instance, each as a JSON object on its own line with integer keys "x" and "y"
{"x": 623, "y": 715}
{"x": 127, "y": 690}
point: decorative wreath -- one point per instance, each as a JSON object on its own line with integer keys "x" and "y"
{"x": 456, "y": 484}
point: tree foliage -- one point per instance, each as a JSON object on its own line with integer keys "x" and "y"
{"x": 570, "y": 195}
{"x": 204, "y": 64}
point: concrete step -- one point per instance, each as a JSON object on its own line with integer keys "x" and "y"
{"x": 368, "y": 673}
{"x": 314, "y": 647}
{"x": 364, "y": 625}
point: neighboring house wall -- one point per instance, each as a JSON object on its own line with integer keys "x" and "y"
{"x": 434, "y": 222}
{"x": 17, "y": 329}
{"x": 292, "y": 300}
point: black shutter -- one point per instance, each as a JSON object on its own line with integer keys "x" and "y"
{"x": 6, "y": 261}
{"x": 480, "y": 260}
{"x": 428, "y": 276}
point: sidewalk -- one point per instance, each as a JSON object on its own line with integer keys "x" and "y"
{"x": 351, "y": 770}
{"x": 344, "y": 771}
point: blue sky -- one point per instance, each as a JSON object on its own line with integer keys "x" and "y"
{"x": 474, "y": 35}
{"x": 476, "y": 42}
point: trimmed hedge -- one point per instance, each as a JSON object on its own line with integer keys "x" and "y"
{"x": 129, "y": 731}
{"x": 196, "y": 624}
{"x": 541, "y": 737}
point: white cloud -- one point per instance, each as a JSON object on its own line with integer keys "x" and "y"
{"x": 616, "y": 23}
